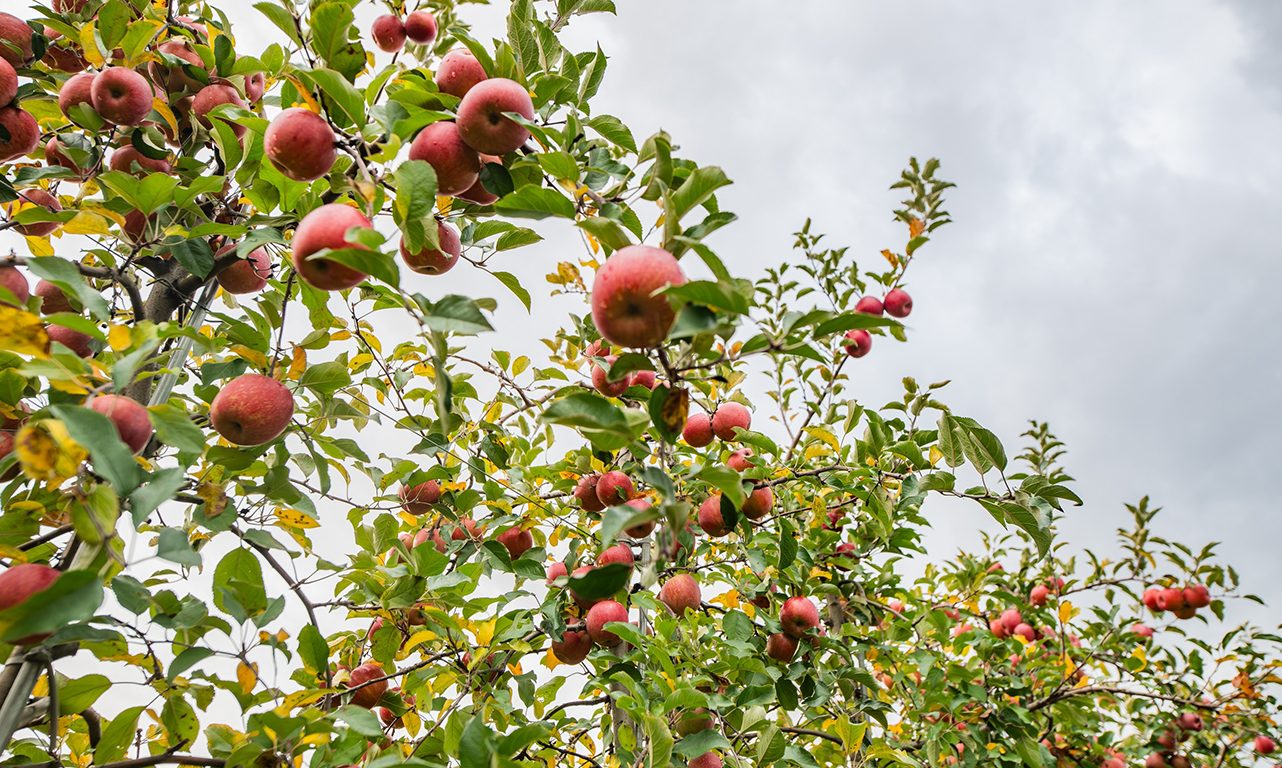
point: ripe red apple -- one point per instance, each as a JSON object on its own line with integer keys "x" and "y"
{"x": 1142, "y": 630}
{"x": 418, "y": 499}
{"x": 641, "y": 530}
{"x": 573, "y": 647}
{"x": 456, "y": 164}
{"x": 1113, "y": 762}
{"x": 128, "y": 159}
{"x": 300, "y": 144}
{"x": 706, "y": 760}
{"x": 614, "y": 487}
{"x": 619, "y": 553}
{"x": 698, "y": 430}
{"x": 15, "y": 40}
{"x": 1155, "y": 760}
{"x": 691, "y": 721}
{"x": 247, "y": 275}
{"x": 1025, "y": 631}
{"x": 601, "y": 614}
{"x": 326, "y": 227}
{"x": 8, "y": 83}
{"x": 255, "y": 87}
{"x": 1180, "y": 761}
{"x": 998, "y": 628}
{"x": 430, "y": 261}
{"x": 625, "y": 308}
{"x": 1039, "y": 594}
{"x": 1264, "y": 745}
{"x": 20, "y": 131}
{"x": 251, "y": 409}
{"x": 798, "y": 616}
{"x": 1189, "y": 721}
{"x": 121, "y": 96}
{"x": 585, "y": 492}
{"x": 1011, "y": 618}
{"x": 172, "y": 77}
{"x": 16, "y": 283}
{"x": 759, "y": 503}
{"x": 369, "y": 695}
{"x": 711, "y": 520}
{"x": 740, "y": 460}
{"x": 517, "y": 541}
{"x": 681, "y": 593}
{"x": 858, "y": 342}
{"x": 388, "y": 33}
{"x": 780, "y": 647}
{"x": 466, "y": 528}
{"x": 77, "y": 90}
{"x": 61, "y": 54}
{"x": 1197, "y": 596}
{"x": 481, "y": 119}
{"x": 56, "y": 154}
{"x": 420, "y": 27}
{"x": 557, "y": 570}
{"x": 1170, "y": 599}
{"x": 73, "y": 340}
{"x": 136, "y": 225}
{"x": 33, "y": 197}
{"x": 19, "y": 583}
{"x": 898, "y": 303}
{"x": 601, "y": 381}
{"x": 458, "y": 72}
{"x": 132, "y": 421}
{"x": 52, "y": 299}
{"x": 215, "y": 95}
{"x": 642, "y": 379}
{"x": 730, "y": 415}
{"x": 1150, "y": 599}
{"x": 869, "y": 305}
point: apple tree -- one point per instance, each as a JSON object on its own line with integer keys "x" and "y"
{"x": 278, "y": 490}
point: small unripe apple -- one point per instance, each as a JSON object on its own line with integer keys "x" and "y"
{"x": 759, "y": 503}
{"x": 37, "y": 197}
{"x": 418, "y": 499}
{"x": 251, "y": 409}
{"x": 247, "y": 275}
{"x": 619, "y": 553}
{"x": 388, "y": 33}
{"x": 1264, "y": 745}
{"x": 585, "y": 493}
{"x": 121, "y": 96}
{"x": 601, "y": 379}
{"x": 573, "y": 647}
{"x": 614, "y": 487}
{"x": 430, "y": 261}
{"x": 1039, "y": 594}
{"x": 481, "y": 119}
{"x": 131, "y": 419}
{"x": 20, "y": 583}
{"x": 369, "y": 695}
{"x": 681, "y": 593}
{"x": 798, "y": 616}
{"x": 728, "y": 417}
{"x": 858, "y": 342}
{"x": 898, "y": 303}
{"x": 300, "y": 144}
{"x": 327, "y": 227}
{"x": 870, "y": 305}
{"x": 625, "y": 306}
{"x": 517, "y": 541}
{"x": 420, "y": 27}
{"x": 698, "y": 430}
{"x": 711, "y": 520}
{"x": 603, "y": 613}
{"x": 441, "y": 146}
{"x": 780, "y": 647}
{"x": 458, "y": 72}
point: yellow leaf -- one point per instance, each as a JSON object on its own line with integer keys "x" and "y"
{"x": 729, "y": 599}
{"x": 47, "y": 452}
{"x": 484, "y": 631}
{"x": 39, "y": 246}
{"x": 304, "y": 93}
{"x": 162, "y": 107}
{"x": 119, "y": 338}
{"x": 298, "y": 364}
{"x": 892, "y": 258}
{"x": 89, "y": 44}
{"x": 935, "y": 455}
{"x": 22, "y": 332}
{"x": 915, "y": 227}
{"x": 298, "y": 699}
{"x": 294, "y": 518}
{"x": 87, "y": 223}
{"x": 443, "y": 204}
{"x": 1066, "y": 611}
{"x": 246, "y": 675}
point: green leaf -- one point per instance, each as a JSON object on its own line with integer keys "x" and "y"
{"x": 80, "y": 694}
{"x": 560, "y": 164}
{"x": 312, "y": 648}
{"x": 533, "y": 202}
{"x": 1025, "y": 518}
{"x": 476, "y": 747}
{"x": 457, "y": 314}
{"x": 698, "y": 743}
{"x": 326, "y": 378}
{"x": 332, "y": 26}
{"x": 697, "y": 189}
{"x": 732, "y": 297}
{"x": 175, "y": 546}
{"x": 513, "y": 284}
{"x": 240, "y": 575}
{"x": 111, "y": 458}
{"x": 66, "y": 276}
{"x": 185, "y": 661}
{"x": 163, "y": 486}
{"x": 343, "y": 101}
{"x": 982, "y": 447}
{"x": 194, "y": 254}
{"x": 523, "y": 737}
{"x": 621, "y": 517}
{"x": 614, "y": 131}
{"x": 726, "y": 480}
{"x": 1030, "y": 752}
{"x": 415, "y": 199}
{"x": 360, "y": 720}
{"x": 609, "y": 232}
{"x": 281, "y": 17}
{"x": 595, "y": 417}
{"x": 601, "y": 582}
{"x": 117, "y": 736}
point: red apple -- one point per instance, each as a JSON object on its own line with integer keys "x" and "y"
{"x": 1155, "y": 760}
{"x": 1264, "y": 745}
{"x": 1170, "y": 599}
{"x": 585, "y": 492}
{"x": 759, "y": 503}
{"x": 1024, "y": 631}
{"x": 681, "y": 593}
{"x": 898, "y": 303}
{"x": 441, "y": 146}
{"x": 420, "y": 27}
{"x": 798, "y": 616}
{"x": 619, "y": 553}
{"x": 614, "y": 487}
{"x": 481, "y": 119}
{"x": 1011, "y": 618}
{"x": 247, "y": 275}
{"x": 641, "y": 530}
{"x": 300, "y": 144}
{"x": 1039, "y": 594}
{"x": 740, "y": 460}
{"x": 557, "y": 570}
{"x": 63, "y": 55}
{"x": 20, "y": 131}
{"x": 37, "y": 197}
{"x": 368, "y": 695}
{"x": 603, "y": 613}
{"x": 430, "y": 261}
{"x": 625, "y": 308}
{"x": 573, "y": 647}
{"x": 1189, "y": 721}
{"x": 388, "y": 33}
{"x": 326, "y": 227}
{"x": 132, "y": 421}
{"x": 55, "y": 154}
{"x": 16, "y": 283}
{"x": 173, "y": 77}
{"x": 711, "y": 520}
{"x": 458, "y": 72}
{"x": 728, "y": 417}
{"x": 418, "y": 499}
{"x": 706, "y": 760}
{"x": 8, "y": 83}
{"x": 642, "y": 379}
{"x": 858, "y": 342}
{"x": 20, "y": 583}
{"x": 869, "y": 305}
{"x": 1197, "y": 596}
{"x": 601, "y": 381}
{"x": 517, "y": 541}
{"x": 121, "y": 96}
{"x": 73, "y": 340}
{"x": 215, "y": 95}
{"x": 1141, "y": 630}
{"x": 52, "y": 298}
{"x": 1150, "y": 599}
{"x": 15, "y": 40}
{"x": 698, "y": 430}
{"x": 780, "y": 647}
{"x": 251, "y": 409}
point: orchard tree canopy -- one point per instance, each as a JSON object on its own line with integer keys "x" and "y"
{"x": 272, "y": 497}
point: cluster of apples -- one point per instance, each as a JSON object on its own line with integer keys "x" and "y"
{"x": 1011, "y": 622}
{"x": 1184, "y": 725}
{"x": 896, "y": 303}
{"x": 1181, "y": 602}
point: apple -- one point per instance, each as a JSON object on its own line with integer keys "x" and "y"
{"x": 614, "y": 487}
{"x": 706, "y": 760}
{"x": 517, "y": 541}
{"x": 603, "y": 613}
{"x": 729, "y": 416}
{"x": 326, "y": 227}
{"x": 55, "y": 155}
{"x": 645, "y": 379}
{"x": 368, "y": 695}
{"x": 898, "y": 303}
{"x": 38, "y": 197}
{"x": 136, "y": 225}
{"x": 580, "y": 600}
{"x": 1155, "y": 760}
{"x": 418, "y": 499}
{"x": 1180, "y": 761}
{"x": 619, "y": 553}
{"x": 573, "y": 647}
{"x": 52, "y": 298}
{"x": 858, "y": 342}
{"x": 1170, "y": 599}
{"x": 77, "y": 90}
{"x": 711, "y": 520}
{"x": 6, "y": 448}
{"x": 8, "y": 83}
{"x": 215, "y": 95}
{"x": 481, "y": 119}
{"x": 1039, "y": 594}
{"x": 691, "y": 721}
{"x": 1011, "y": 618}
{"x": 300, "y": 144}
{"x": 73, "y": 340}
{"x": 20, "y": 583}
{"x": 251, "y": 409}
{"x": 1025, "y": 631}
{"x": 625, "y": 307}
{"x": 465, "y": 528}
{"x": 420, "y": 27}
{"x": 759, "y": 503}
{"x": 65, "y": 56}
{"x": 641, "y": 530}
{"x": 388, "y": 33}
{"x": 128, "y": 159}
{"x": 1141, "y": 630}
{"x": 681, "y": 593}
{"x": 16, "y": 283}
{"x": 780, "y": 647}
{"x": 430, "y": 261}
{"x": 698, "y": 430}
{"x": 1197, "y": 596}
{"x": 441, "y": 146}
{"x": 585, "y": 492}
{"x": 1189, "y": 721}
{"x": 121, "y": 96}
{"x": 173, "y": 77}
{"x": 1113, "y": 762}
{"x": 247, "y": 275}
{"x": 20, "y": 132}
{"x": 1150, "y": 599}
{"x": 1264, "y": 745}
{"x": 255, "y": 87}
{"x": 132, "y": 421}
{"x": 870, "y": 305}
{"x": 458, "y": 72}
{"x": 740, "y": 460}
{"x": 15, "y": 40}
{"x": 601, "y": 381}
{"x": 798, "y": 616}
{"x": 557, "y": 570}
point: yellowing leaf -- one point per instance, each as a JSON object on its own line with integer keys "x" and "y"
{"x": 1066, "y": 611}
{"x": 246, "y": 675}
{"x": 484, "y": 631}
{"x": 294, "y": 518}
{"x": 22, "y": 332}
{"x": 915, "y": 227}
{"x": 39, "y": 246}
{"x": 892, "y": 258}
{"x": 297, "y": 364}
{"x": 935, "y": 455}
{"x": 119, "y": 338}
{"x": 729, "y": 599}
{"x": 47, "y": 452}
{"x": 87, "y": 223}
{"x": 89, "y": 44}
